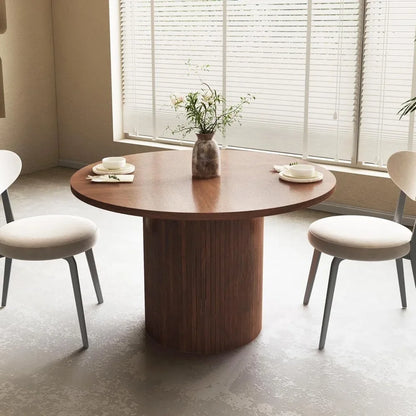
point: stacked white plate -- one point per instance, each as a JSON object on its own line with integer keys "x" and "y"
{"x": 286, "y": 176}
{"x": 101, "y": 170}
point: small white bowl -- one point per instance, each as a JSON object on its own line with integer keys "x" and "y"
{"x": 302, "y": 171}
{"x": 114, "y": 162}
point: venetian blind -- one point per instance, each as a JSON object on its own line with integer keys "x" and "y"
{"x": 333, "y": 84}
{"x": 158, "y": 38}
{"x": 388, "y": 79}
{"x": 299, "y": 58}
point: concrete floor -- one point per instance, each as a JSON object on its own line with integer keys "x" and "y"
{"x": 368, "y": 366}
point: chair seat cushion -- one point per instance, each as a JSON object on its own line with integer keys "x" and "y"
{"x": 47, "y": 237}
{"x": 357, "y": 237}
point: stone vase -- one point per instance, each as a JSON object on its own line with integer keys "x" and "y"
{"x": 206, "y": 160}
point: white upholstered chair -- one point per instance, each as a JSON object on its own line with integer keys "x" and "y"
{"x": 355, "y": 237}
{"x": 45, "y": 237}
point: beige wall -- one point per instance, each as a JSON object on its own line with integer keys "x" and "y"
{"x": 26, "y": 50}
{"x": 83, "y": 81}
{"x": 366, "y": 192}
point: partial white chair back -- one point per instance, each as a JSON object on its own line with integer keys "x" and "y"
{"x": 10, "y": 167}
{"x": 402, "y": 170}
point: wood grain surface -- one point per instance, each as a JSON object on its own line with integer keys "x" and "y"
{"x": 203, "y": 283}
{"x": 163, "y": 188}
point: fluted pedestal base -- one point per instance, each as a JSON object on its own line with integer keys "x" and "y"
{"x": 203, "y": 283}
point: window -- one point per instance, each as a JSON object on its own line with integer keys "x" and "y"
{"x": 389, "y": 78}
{"x": 329, "y": 75}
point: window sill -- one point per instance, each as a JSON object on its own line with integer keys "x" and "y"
{"x": 330, "y": 167}
{"x": 355, "y": 171}
{"x": 156, "y": 145}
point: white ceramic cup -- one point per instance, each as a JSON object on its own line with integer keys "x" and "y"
{"x": 302, "y": 170}
{"x": 114, "y": 162}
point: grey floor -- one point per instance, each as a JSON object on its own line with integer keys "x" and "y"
{"x": 368, "y": 366}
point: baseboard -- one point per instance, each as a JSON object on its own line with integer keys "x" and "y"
{"x": 335, "y": 208}
{"x": 71, "y": 164}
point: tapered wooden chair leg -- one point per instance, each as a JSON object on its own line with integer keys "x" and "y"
{"x": 78, "y": 299}
{"x": 94, "y": 275}
{"x": 402, "y": 287}
{"x": 312, "y": 273}
{"x": 6, "y": 280}
{"x": 328, "y": 303}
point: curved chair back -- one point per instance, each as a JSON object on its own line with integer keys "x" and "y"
{"x": 10, "y": 167}
{"x": 402, "y": 170}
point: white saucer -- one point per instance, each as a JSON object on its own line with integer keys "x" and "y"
{"x": 101, "y": 170}
{"x": 286, "y": 176}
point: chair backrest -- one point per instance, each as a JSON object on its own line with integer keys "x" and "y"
{"x": 10, "y": 167}
{"x": 402, "y": 170}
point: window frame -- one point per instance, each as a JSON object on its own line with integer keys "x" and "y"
{"x": 177, "y": 144}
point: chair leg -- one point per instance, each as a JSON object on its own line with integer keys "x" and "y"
{"x": 94, "y": 275}
{"x": 6, "y": 280}
{"x": 400, "y": 275}
{"x": 328, "y": 303}
{"x": 312, "y": 273}
{"x": 78, "y": 299}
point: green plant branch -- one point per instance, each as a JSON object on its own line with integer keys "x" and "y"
{"x": 202, "y": 110}
{"x": 408, "y": 107}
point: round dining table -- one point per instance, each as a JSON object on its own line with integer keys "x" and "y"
{"x": 203, "y": 240}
